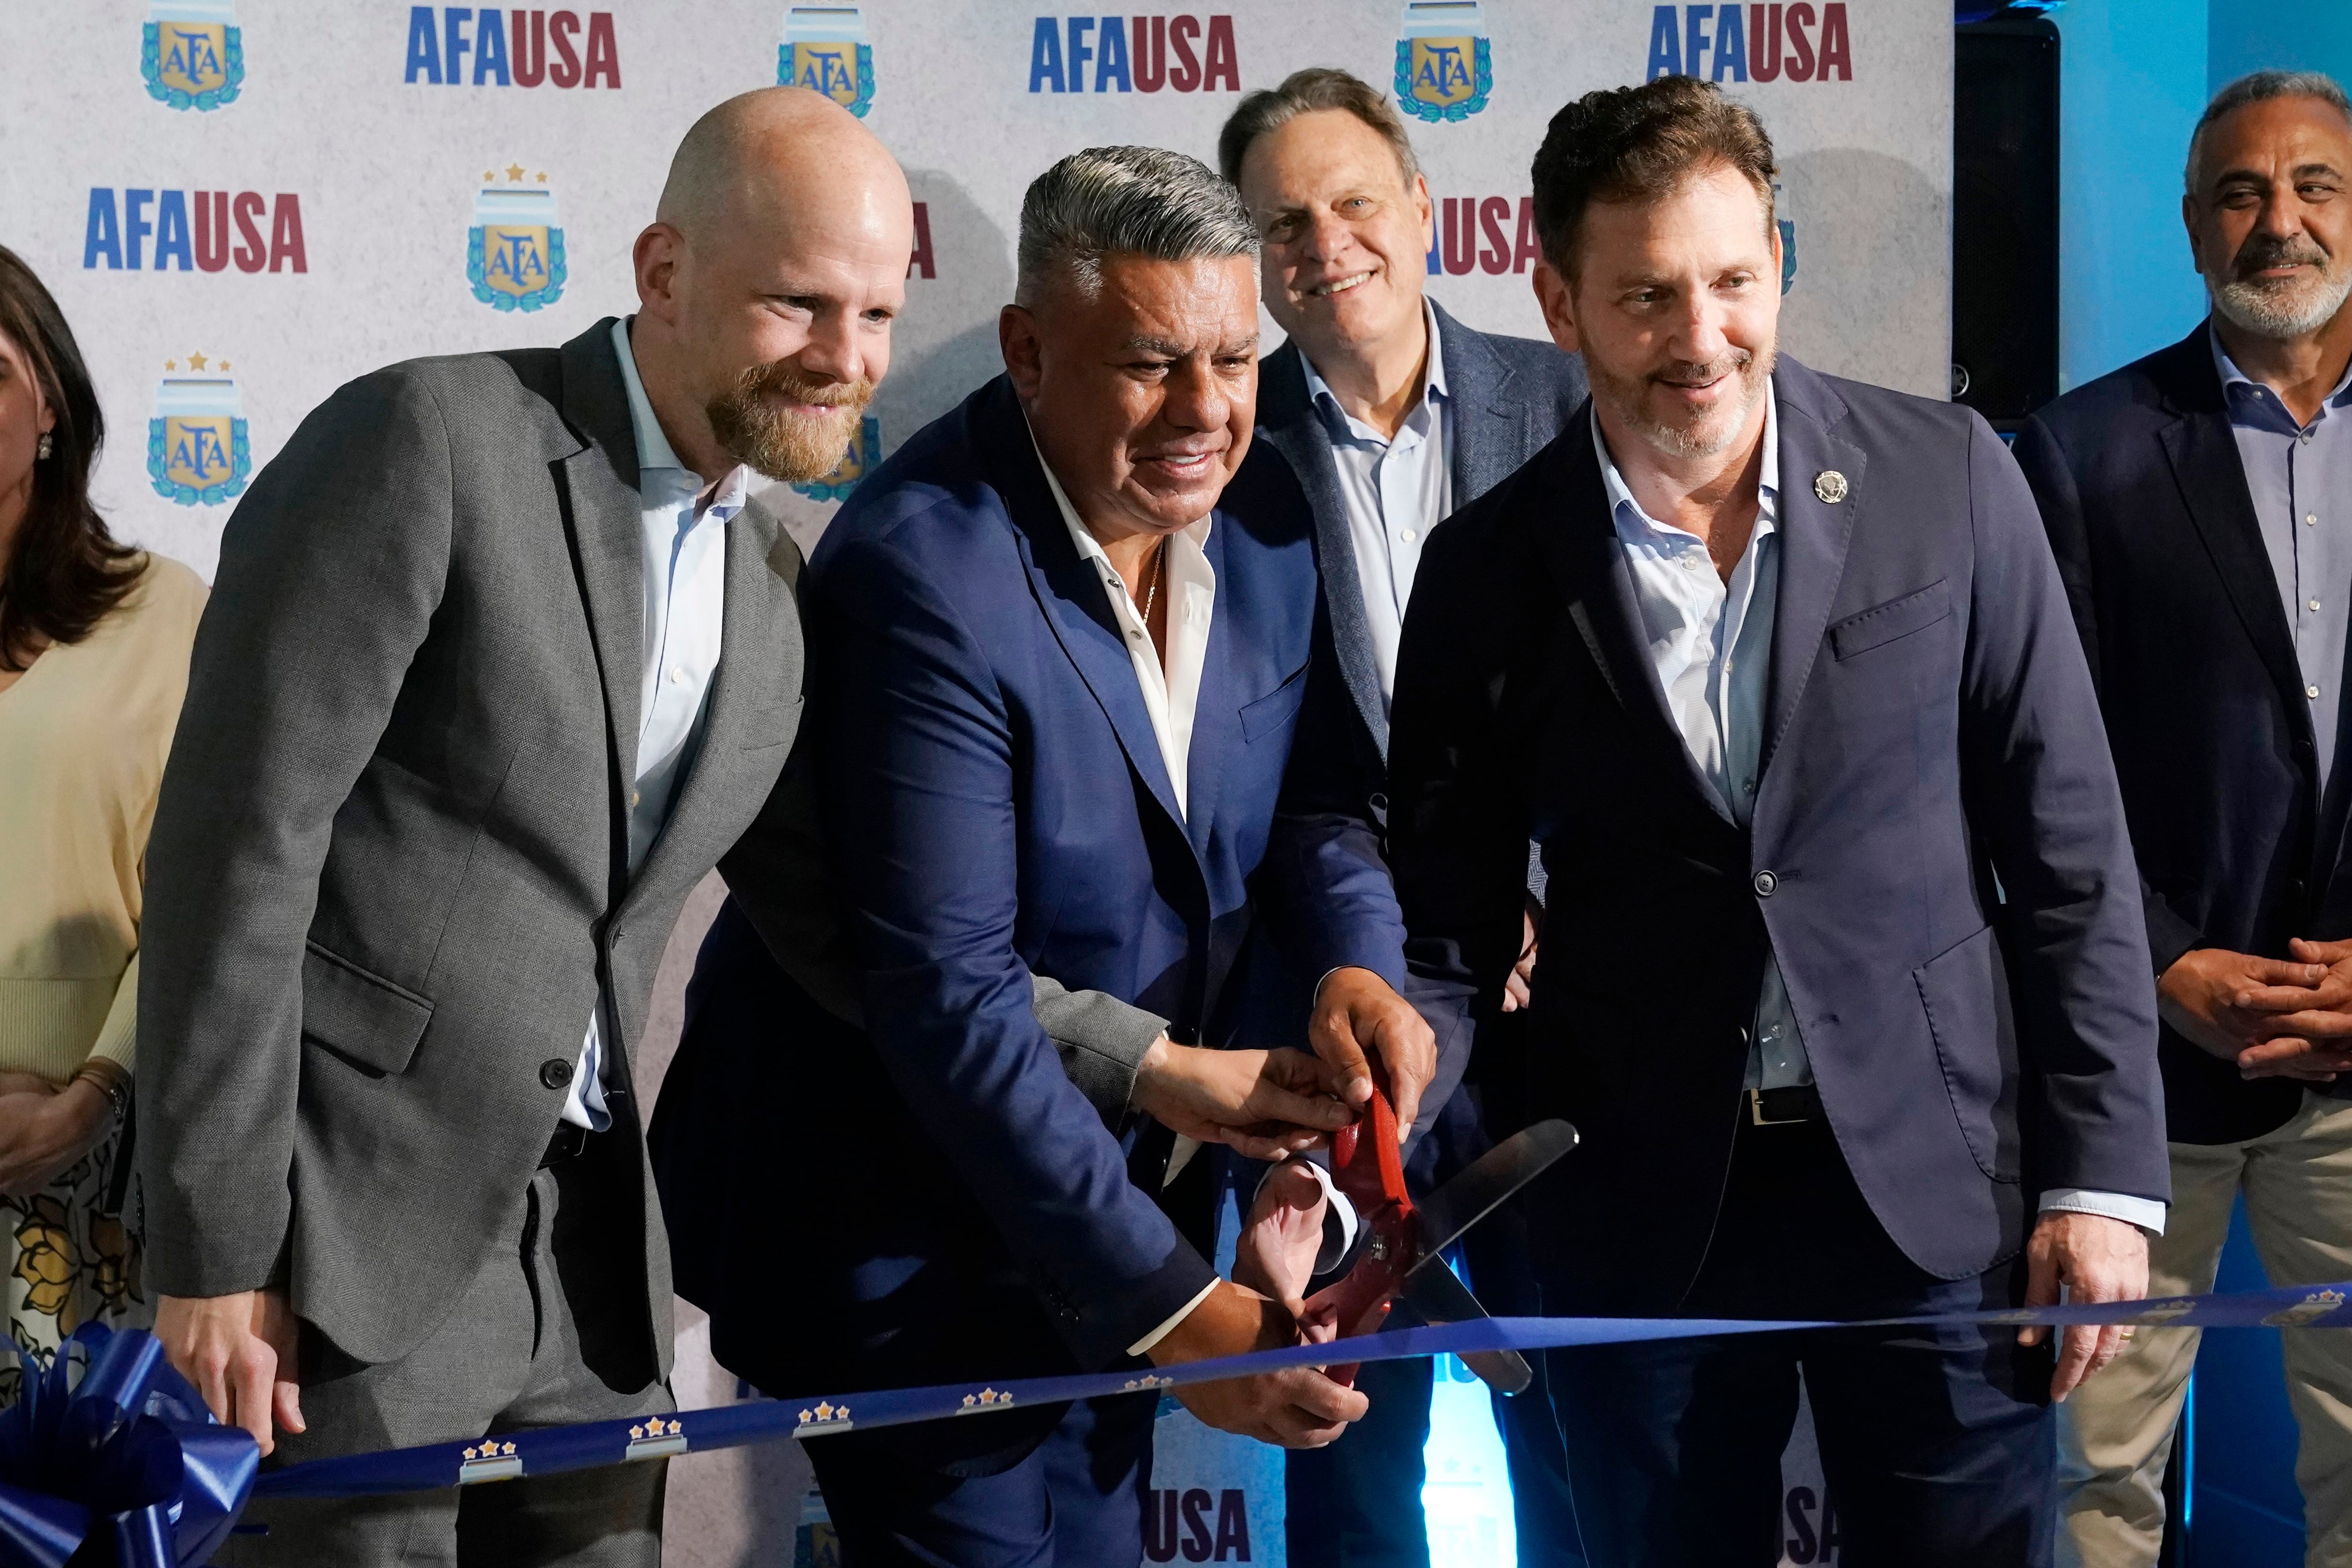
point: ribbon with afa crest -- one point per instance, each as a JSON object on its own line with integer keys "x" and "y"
{"x": 121, "y": 1464}
{"x": 548, "y": 1450}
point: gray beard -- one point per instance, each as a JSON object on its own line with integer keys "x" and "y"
{"x": 2279, "y": 315}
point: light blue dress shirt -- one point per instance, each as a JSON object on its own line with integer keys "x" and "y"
{"x": 1396, "y": 490}
{"x": 1711, "y": 644}
{"x": 685, "y": 577}
{"x": 2300, "y": 478}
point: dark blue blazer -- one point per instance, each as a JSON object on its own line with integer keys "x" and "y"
{"x": 998, "y": 807}
{"x": 2148, "y": 513}
{"x": 1931, "y": 726}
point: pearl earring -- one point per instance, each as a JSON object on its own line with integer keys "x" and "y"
{"x": 42, "y": 451}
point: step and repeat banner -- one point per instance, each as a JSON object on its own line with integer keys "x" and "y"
{"x": 242, "y": 203}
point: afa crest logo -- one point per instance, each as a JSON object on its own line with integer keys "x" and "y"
{"x": 191, "y": 53}
{"x": 197, "y": 450}
{"x": 514, "y": 252}
{"x": 1445, "y": 64}
{"x": 865, "y": 454}
{"x": 824, "y": 50}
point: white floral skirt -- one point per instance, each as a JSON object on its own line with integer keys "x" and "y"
{"x": 68, "y": 1264}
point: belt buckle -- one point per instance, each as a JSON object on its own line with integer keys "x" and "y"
{"x": 1757, "y": 1117}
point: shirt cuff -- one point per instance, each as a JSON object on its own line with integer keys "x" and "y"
{"x": 1340, "y": 1220}
{"x": 1143, "y": 1346}
{"x": 2145, "y": 1212}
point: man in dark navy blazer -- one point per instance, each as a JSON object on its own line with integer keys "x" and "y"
{"x": 1390, "y": 413}
{"x": 1843, "y": 975}
{"x": 1065, "y": 637}
{"x": 2199, "y": 503}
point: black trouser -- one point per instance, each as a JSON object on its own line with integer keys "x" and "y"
{"x": 1936, "y": 1444}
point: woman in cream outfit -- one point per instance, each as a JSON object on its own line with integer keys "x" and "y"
{"x": 94, "y": 641}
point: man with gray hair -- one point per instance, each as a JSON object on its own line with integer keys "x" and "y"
{"x": 2199, "y": 502}
{"x": 1065, "y": 639}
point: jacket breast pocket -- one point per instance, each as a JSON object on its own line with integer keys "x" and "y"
{"x": 1882, "y": 623}
{"x": 1274, "y": 710}
{"x": 362, "y": 1017}
{"x": 776, "y": 725}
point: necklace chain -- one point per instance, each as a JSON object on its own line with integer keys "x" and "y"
{"x": 1151, "y": 594}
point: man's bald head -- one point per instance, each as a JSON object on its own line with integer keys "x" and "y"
{"x": 767, "y": 281}
{"x": 775, "y": 146}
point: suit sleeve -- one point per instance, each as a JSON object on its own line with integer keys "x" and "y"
{"x": 779, "y": 874}
{"x": 330, "y": 571}
{"x": 2052, "y": 477}
{"x": 2042, "y": 796}
{"x": 1458, "y": 824}
{"x": 918, "y": 772}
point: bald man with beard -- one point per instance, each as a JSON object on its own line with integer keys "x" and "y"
{"x": 500, "y": 658}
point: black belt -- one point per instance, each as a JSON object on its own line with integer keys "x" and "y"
{"x": 1782, "y": 1107}
{"x": 570, "y": 1139}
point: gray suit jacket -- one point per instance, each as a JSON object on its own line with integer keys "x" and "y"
{"x": 388, "y": 871}
{"x": 1511, "y": 397}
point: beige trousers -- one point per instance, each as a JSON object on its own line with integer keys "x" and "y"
{"x": 2116, "y": 1432}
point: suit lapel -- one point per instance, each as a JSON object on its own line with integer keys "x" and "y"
{"x": 1483, "y": 440}
{"x": 1593, "y": 571}
{"x": 1216, "y": 715}
{"x": 1290, "y": 424}
{"x": 1814, "y": 535}
{"x": 603, "y": 509}
{"x": 2203, "y": 453}
{"x": 759, "y": 650}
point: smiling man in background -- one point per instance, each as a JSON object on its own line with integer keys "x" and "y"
{"x": 2199, "y": 502}
{"x": 1392, "y": 414}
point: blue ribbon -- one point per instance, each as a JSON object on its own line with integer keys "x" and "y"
{"x": 547, "y": 1450}
{"x": 126, "y": 1459}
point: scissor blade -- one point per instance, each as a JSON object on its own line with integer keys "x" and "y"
{"x": 1441, "y": 1297}
{"x": 1494, "y": 1176}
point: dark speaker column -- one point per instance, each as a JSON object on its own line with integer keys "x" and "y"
{"x": 2005, "y": 217}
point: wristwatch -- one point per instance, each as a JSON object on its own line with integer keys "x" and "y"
{"x": 108, "y": 1079}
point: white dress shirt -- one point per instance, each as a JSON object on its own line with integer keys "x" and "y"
{"x": 1395, "y": 490}
{"x": 685, "y": 579}
{"x": 1711, "y": 644}
{"x": 1170, "y": 695}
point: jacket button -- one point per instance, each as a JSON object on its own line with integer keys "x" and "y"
{"x": 555, "y": 1074}
{"x": 1764, "y": 883}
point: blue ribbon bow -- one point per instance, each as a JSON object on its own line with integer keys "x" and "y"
{"x": 126, "y": 1462}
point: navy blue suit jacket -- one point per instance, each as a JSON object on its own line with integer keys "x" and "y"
{"x": 2149, "y": 512}
{"x": 1930, "y": 725}
{"x": 998, "y": 807}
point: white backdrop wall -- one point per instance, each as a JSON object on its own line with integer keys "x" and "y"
{"x": 242, "y": 203}
{"x": 346, "y": 148}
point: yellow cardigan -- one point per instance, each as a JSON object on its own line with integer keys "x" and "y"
{"x": 83, "y": 735}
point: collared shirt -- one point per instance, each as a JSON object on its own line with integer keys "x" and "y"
{"x": 1711, "y": 644}
{"x": 1395, "y": 489}
{"x": 1170, "y": 695}
{"x": 685, "y": 575}
{"x": 2300, "y": 477}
